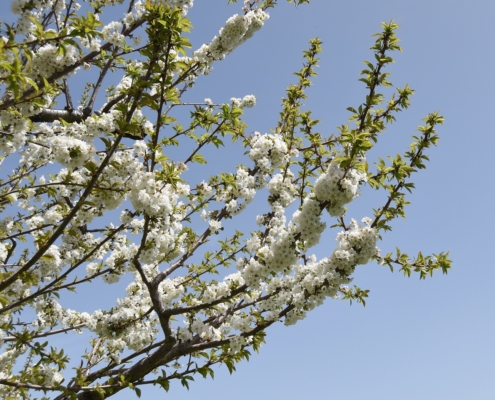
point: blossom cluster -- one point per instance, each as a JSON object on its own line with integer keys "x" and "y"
{"x": 306, "y": 286}
{"x": 16, "y": 126}
{"x": 71, "y": 152}
{"x": 49, "y": 59}
{"x": 268, "y": 151}
{"x": 125, "y": 325}
{"x": 246, "y": 102}
{"x": 236, "y": 31}
{"x": 338, "y": 186}
{"x": 111, "y": 33}
{"x": 26, "y": 10}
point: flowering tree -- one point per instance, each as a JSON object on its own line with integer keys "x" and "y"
{"x": 98, "y": 193}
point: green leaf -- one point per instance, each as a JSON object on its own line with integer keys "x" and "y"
{"x": 4, "y": 301}
{"x": 216, "y": 141}
{"x": 198, "y": 158}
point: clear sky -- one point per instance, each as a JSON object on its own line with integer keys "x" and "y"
{"x": 432, "y": 339}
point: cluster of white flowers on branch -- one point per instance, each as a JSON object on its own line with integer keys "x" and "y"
{"x": 236, "y": 31}
{"x": 88, "y": 197}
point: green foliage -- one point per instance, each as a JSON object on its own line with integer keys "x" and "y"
{"x": 355, "y": 294}
{"x": 424, "y": 265}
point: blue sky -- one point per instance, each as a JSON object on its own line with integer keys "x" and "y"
{"x": 415, "y": 339}
{"x": 431, "y": 339}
